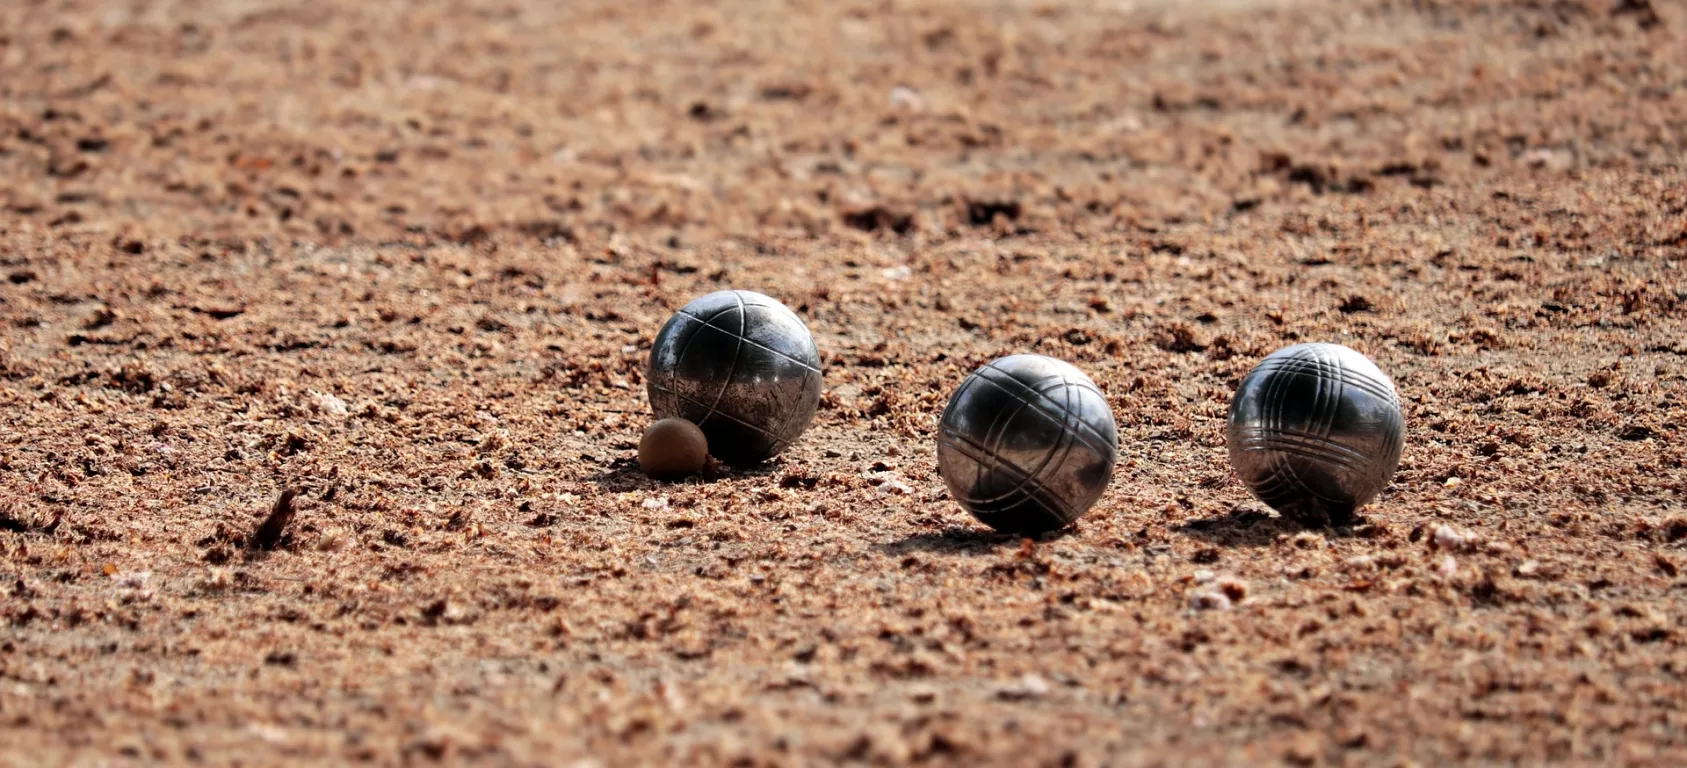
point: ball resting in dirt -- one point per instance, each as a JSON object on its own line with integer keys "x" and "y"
{"x": 672, "y": 448}
{"x": 1316, "y": 431}
{"x": 743, "y": 368}
{"x": 1027, "y": 444}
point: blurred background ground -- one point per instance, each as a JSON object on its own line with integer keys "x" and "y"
{"x": 409, "y": 257}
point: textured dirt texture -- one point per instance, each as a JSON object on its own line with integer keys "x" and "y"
{"x": 407, "y": 259}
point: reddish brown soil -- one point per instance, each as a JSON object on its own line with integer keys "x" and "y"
{"x": 410, "y": 262}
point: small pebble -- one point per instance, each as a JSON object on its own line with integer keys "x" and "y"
{"x": 895, "y": 487}
{"x": 330, "y": 404}
{"x": 890, "y": 482}
{"x": 1233, "y": 588}
{"x": 1449, "y": 538}
{"x": 1029, "y": 686}
{"x": 132, "y": 579}
{"x": 903, "y": 97}
{"x": 1210, "y": 601}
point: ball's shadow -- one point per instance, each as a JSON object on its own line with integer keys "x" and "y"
{"x": 1240, "y": 528}
{"x": 960, "y": 540}
{"x": 1243, "y": 527}
{"x": 623, "y": 474}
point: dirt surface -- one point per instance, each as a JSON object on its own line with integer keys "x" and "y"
{"x": 408, "y": 259}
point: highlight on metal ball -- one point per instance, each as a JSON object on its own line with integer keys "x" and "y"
{"x": 1027, "y": 444}
{"x": 1315, "y": 431}
{"x": 743, "y": 368}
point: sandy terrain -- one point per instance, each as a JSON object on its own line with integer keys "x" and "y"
{"x": 408, "y": 259}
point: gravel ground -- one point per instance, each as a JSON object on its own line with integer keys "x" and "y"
{"x": 407, "y": 259}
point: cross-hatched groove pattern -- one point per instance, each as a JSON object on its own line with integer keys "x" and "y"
{"x": 1322, "y": 414}
{"x": 743, "y": 368}
{"x": 729, "y": 417}
{"x": 1317, "y": 449}
{"x": 991, "y": 459}
{"x": 1042, "y": 398}
{"x": 1315, "y": 426}
{"x": 737, "y": 352}
{"x": 709, "y": 323}
{"x": 1028, "y": 491}
{"x": 1329, "y": 369}
{"x": 1020, "y": 446}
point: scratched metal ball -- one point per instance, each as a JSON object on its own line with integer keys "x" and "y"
{"x": 1316, "y": 431}
{"x": 743, "y": 368}
{"x": 1027, "y": 444}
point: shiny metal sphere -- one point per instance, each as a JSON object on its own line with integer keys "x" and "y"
{"x": 1315, "y": 431}
{"x": 1027, "y": 444}
{"x": 743, "y": 368}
